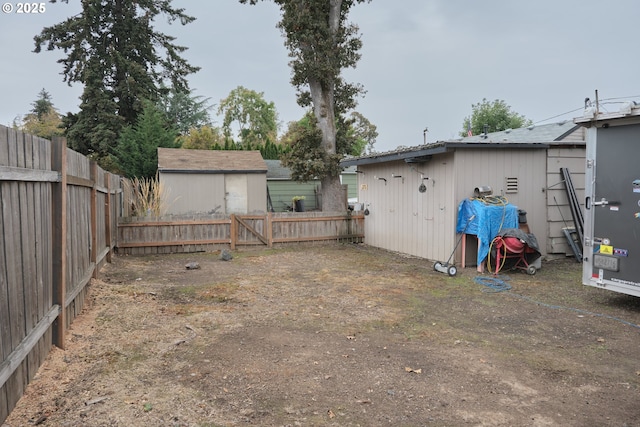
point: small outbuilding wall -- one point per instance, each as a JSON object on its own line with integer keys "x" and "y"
{"x": 403, "y": 219}
{"x": 213, "y": 181}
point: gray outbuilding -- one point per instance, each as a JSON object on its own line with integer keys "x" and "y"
{"x": 213, "y": 181}
{"x": 412, "y": 194}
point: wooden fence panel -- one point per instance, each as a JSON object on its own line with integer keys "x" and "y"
{"x": 98, "y": 220}
{"x": 251, "y": 230}
{"x": 43, "y": 243}
{"x": 116, "y": 208}
{"x": 25, "y": 266}
{"x": 79, "y": 237}
{"x": 10, "y": 325}
{"x": 142, "y": 236}
{"x": 5, "y": 347}
{"x": 17, "y": 381}
{"x": 317, "y": 226}
{"x": 43, "y": 247}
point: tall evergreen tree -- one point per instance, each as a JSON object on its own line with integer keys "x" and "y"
{"x": 43, "y": 105}
{"x": 43, "y": 120}
{"x": 137, "y": 149}
{"x": 112, "y": 48}
{"x": 184, "y": 111}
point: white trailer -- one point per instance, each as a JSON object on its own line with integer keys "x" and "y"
{"x": 611, "y": 246}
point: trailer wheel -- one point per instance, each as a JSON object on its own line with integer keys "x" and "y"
{"x": 531, "y": 270}
{"x": 452, "y": 270}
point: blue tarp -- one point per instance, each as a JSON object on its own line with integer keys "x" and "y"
{"x": 489, "y": 219}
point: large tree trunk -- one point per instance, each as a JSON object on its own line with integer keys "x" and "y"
{"x": 323, "y": 108}
{"x": 322, "y": 96}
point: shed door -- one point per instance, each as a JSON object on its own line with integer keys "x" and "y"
{"x": 236, "y": 193}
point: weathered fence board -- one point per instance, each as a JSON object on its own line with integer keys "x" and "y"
{"x": 140, "y": 236}
{"x": 54, "y": 231}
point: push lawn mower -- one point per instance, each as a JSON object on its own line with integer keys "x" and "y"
{"x": 446, "y": 267}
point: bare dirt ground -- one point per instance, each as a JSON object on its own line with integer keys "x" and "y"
{"x": 339, "y": 335}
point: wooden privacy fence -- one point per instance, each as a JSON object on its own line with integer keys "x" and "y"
{"x": 138, "y": 236}
{"x": 58, "y": 217}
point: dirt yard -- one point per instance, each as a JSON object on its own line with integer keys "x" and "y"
{"x": 339, "y": 335}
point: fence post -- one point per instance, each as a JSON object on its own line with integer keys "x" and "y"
{"x": 59, "y": 244}
{"x": 93, "y": 173}
{"x": 269, "y": 229}
{"x": 107, "y": 216}
{"x": 234, "y": 232}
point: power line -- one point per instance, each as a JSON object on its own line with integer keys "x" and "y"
{"x": 559, "y": 115}
{"x": 601, "y": 102}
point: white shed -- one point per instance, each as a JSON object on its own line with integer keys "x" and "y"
{"x": 213, "y": 181}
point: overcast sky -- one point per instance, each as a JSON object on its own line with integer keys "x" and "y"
{"x": 424, "y": 62}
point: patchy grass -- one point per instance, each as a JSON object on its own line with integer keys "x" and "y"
{"x": 339, "y": 335}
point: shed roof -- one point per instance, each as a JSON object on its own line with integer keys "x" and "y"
{"x": 275, "y": 170}
{"x": 540, "y": 137}
{"x": 210, "y": 161}
{"x": 552, "y": 132}
{"x": 423, "y": 153}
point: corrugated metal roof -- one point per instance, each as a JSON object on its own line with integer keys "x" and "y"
{"x": 541, "y": 133}
{"x": 210, "y": 161}
{"x": 541, "y": 136}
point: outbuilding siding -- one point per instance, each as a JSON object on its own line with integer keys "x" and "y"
{"x": 492, "y": 167}
{"x": 213, "y": 181}
{"x": 191, "y": 193}
{"x": 402, "y": 218}
{"x": 256, "y": 193}
{"x": 558, "y": 210}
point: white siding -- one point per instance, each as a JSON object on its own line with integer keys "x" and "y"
{"x": 193, "y": 193}
{"x": 481, "y": 167}
{"x": 257, "y": 193}
{"x": 401, "y": 218}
